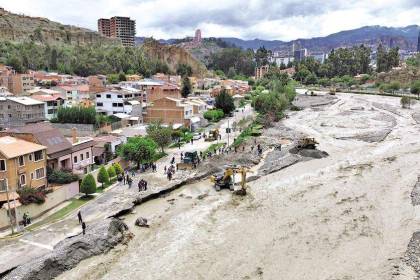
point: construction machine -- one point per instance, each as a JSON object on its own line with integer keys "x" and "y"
{"x": 227, "y": 179}
{"x": 213, "y": 135}
{"x": 307, "y": 143}
{"x": 189, "y": 161}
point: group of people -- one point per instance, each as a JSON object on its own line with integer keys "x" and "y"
{"x": 170, "y": 171}
{"x": 142, "y": 185}
{"x": 26, "y": 219}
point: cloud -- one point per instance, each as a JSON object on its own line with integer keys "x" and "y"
{"x": 265, "y": 19}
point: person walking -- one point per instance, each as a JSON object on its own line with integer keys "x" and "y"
{"x": 79, "y": 215}
{"x": 83, "y": 228}
{"x": 164, "y": 169}
{"x": 130, "y": 182}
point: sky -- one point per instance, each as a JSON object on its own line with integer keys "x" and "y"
{"x": 247, "y": 19}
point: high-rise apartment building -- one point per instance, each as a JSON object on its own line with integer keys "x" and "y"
{"x": 122, "y": 28}
{"x": 418, "y": 43}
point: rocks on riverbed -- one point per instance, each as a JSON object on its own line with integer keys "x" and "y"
{"x": 141, "y": 222}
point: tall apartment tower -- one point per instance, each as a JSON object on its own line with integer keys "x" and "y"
{"x": 197, "y": 37}
{"x": 122, "y": 28}
{"x": 418, "y": 43}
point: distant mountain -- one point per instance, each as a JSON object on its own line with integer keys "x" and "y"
{"x": 403, "y": 37}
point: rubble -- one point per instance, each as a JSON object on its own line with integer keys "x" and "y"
{"x": 99, "y": 238}
{"x": 141, "y": 222}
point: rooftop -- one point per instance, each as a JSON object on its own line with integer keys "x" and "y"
{"x": 12, "y": 147}
{"x": 25, "y": 100}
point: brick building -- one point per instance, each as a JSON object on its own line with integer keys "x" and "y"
{"x": 122, "y": 28}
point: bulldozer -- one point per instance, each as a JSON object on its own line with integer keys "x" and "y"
{"x": 189, "y": 161}
{"x": 213, "y": 135}
{"x": 307, "y": 143}
{"x": 227, "y": 179}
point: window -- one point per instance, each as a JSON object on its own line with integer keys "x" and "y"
{"x": 30, "y": 156}
{"x": 38, "y": 155}
{"x": 87, "y": 154}
{"x": 22, "y": 180}
{"x": 114, "y": 104}
{"x": 21, "y": 161}
{"x": 98, "y": 96}
{"x": 3, "y": 185}
{"x": 2, "y": 165}
{"x": 99, "y": 104}
{"x": 81, "y": 156}
{"x": 75, "y": 159}
{"x": 40, "y": 173}
{"x": 32, "y": 176}
{"x": 119, "y": 96}
{"x": 108, "y": 96}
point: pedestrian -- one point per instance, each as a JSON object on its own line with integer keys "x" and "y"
{"x": 127, "y": 177}
{"x": 123, "y": 179}
{"x": 79, "y": 215}
{"x": 130, "y": 182}
{"x": 235, "y": 149}
{"x": 24, "y": 219}
{"x": 164, "y": 169}
{"x": 201, "y": 154}
{"x": 192, "y": 141}
{"x": 173, "y": 160}
{"x": 84, "y": 228}
{"x": 243, "y": 148}
{"x": 252, "y": 149}
{"x": 144, "y": 185}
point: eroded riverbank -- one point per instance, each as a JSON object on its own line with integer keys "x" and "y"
{"x": 346, "y": 216}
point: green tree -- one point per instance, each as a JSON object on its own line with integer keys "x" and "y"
{"x": 140, "y": 150}
{"x": 122, "y": 77}
{"x": 118, "y": 169}
{"x": 311, "y": 79}
{"x": 103, "y": 176}
{"x": 111, "y": 172}
{"x": 261, "y": 56}
{"x": 160, "y": 134}
{"x": 186, "y": 87}
{"x": 184, "y": 70}
{"x": 224, "y": 102}
{"x": 88, "y": 185}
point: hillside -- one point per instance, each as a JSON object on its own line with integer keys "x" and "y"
{"x": 173, "y": 56}
{"x": 18, "y": 28}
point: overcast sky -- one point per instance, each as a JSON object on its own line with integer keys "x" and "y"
{"x": 247, "y": 19}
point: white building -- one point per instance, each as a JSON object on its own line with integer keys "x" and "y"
{"x": 119, "y": 100}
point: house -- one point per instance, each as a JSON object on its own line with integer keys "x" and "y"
{"x": 53, "y": 102}
{"x": 74, "y": 95}
{"x": 22, "y": 163}
{"x": 106, "y": 147}
{"x": 62, "y": 154}
{"x": 120, "y": 100}
{"x": 171, "y": 111}
{"x": 17, "y": 83}
{"x": 18, "y": 111}
{"x": 97, "y": 83}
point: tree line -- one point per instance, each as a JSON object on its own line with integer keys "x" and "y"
{"x": 79, "y": 60}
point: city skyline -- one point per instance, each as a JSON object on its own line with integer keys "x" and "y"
{"x": 261, "y": 19}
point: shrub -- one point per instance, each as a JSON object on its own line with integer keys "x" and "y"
{"x": 111, "y": 172}
{"x": 118, "y": 169}
{"x": 405, "y": 102}
{"x": 88, "y": 185}
{"x": 62, "y": 177}
{"x": 103, "y": 176}
{"x": 76, "y": 115}
{"x": 29, "y": 195}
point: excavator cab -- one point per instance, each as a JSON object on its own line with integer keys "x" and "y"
{"x": 223, "y": 180}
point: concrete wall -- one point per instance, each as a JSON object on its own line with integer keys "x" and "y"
{"x": 82, "y": 129}
{"x": 53, "y": 199}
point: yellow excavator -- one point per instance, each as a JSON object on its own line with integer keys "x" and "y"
{"x": 227, "y": 178}
{"x": 213, "y": 135}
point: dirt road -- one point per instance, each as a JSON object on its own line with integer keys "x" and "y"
{"x": 347, "y": 216}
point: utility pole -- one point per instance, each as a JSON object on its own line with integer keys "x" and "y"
{"x": 8, "y": 206}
